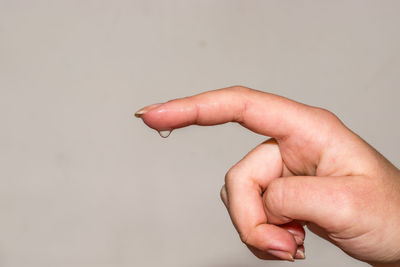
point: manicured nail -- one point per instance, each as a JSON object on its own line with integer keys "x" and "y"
{"x": 142, "y": 111}
{"x": 300, "y": 255}
{"x": 281, "y": 254}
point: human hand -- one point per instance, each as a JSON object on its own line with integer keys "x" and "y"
{"x": 314, "y": 172}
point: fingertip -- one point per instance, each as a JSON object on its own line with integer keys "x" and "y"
{"x": 284, "y": 255}
{"x": 300, "y": 253}
{"x": 297, "y": 230}
{"x": 142, "y": 111}
{"x": 267, "y": 237}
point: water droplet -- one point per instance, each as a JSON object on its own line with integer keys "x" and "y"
{"x": 165, "y": 133}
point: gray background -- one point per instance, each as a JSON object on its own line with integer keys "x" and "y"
{"x": 83, "y": 183}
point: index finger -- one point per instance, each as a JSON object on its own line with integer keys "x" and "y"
{"x": 261, "y": 112}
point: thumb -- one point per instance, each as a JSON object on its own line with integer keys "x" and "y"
{"x": 329, "y": 202}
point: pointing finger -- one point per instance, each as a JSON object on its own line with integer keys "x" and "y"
{"x": 261, "y": 112}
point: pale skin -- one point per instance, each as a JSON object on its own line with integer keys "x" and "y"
{"x": 312, "y": 172}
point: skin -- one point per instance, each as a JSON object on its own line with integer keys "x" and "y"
{"x": 313, "y": 172}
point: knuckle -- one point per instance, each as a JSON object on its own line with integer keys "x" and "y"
{"x": 244, "y": 237}
{"x": 231, "y": 174}
{"x": 326, "y": 122}
{"x": 239, "y": 89}
{"x": 326, "y": 115}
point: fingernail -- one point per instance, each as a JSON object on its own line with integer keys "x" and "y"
{"x": 299, "y": 241}
{"x": 142, "y": 111}
{"x": 300, "y": 255}
{"x": 281, "y": 254}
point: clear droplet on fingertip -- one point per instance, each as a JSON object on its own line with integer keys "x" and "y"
{"x": 165, "y": 133}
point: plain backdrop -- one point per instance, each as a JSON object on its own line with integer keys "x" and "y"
{"x": 84, "y": 183}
